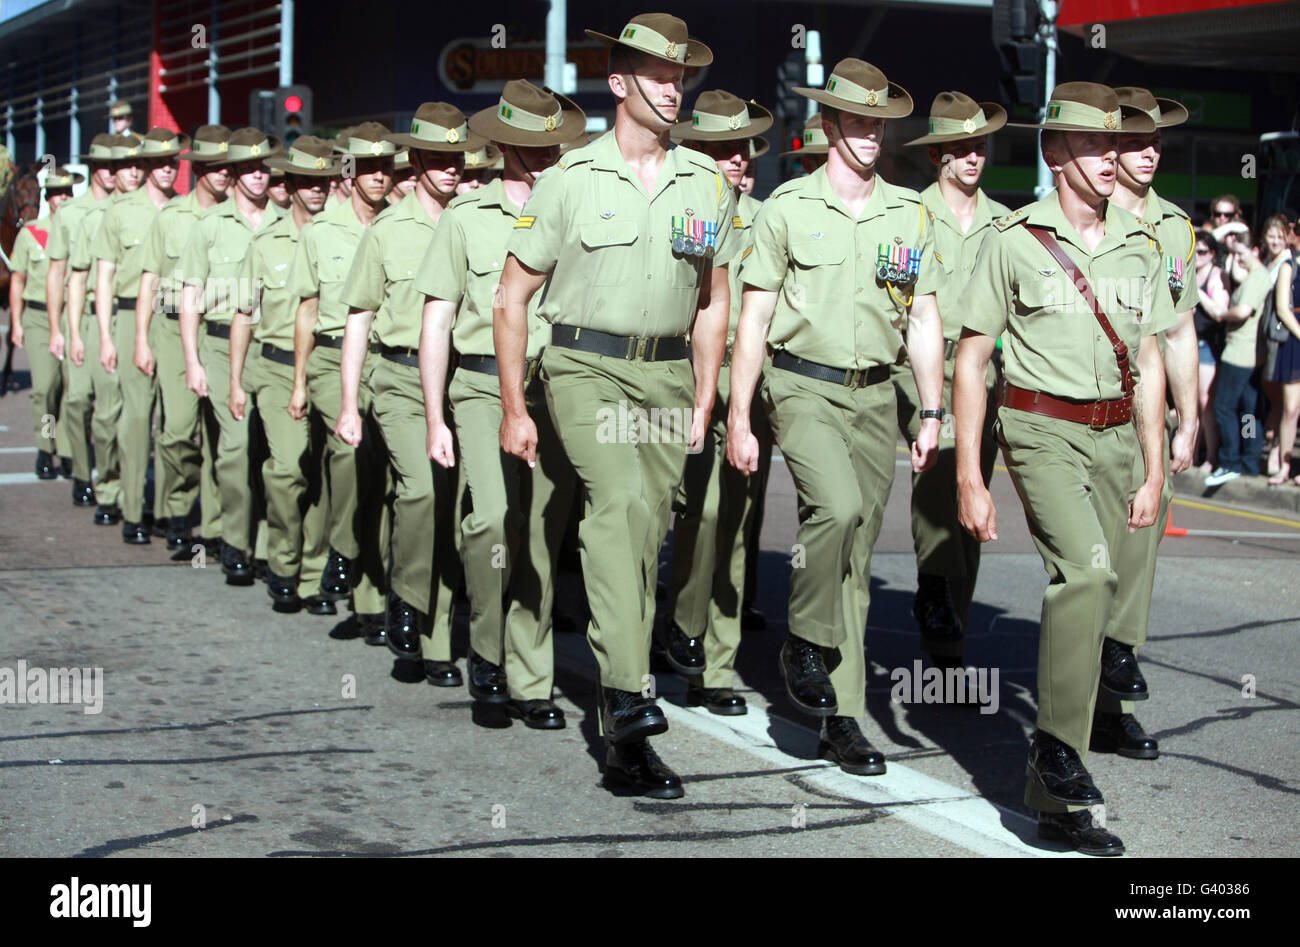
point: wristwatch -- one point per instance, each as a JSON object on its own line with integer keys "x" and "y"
{"x": 936, "y": 413}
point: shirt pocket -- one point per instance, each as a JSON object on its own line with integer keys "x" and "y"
{"x": 401, "y": 270}
{"x": 1045, "y": 298}
{"x": 1128, "y": 305}
{"x": 815, "y": 270}
{"x": 332, "y": 268}
{"x": 610, "y": 255}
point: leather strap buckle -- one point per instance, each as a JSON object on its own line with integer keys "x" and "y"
{"x": 1098, "y": 423}
{"x": 854, "y": 377}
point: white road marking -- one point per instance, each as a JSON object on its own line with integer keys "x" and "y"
{"x": 17, "y": 450}
{"x": 15, "y": 478}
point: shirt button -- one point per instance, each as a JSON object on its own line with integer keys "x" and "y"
{"x": 859, "y": 289}
{"x": 649, "y": 276}
{"x": 859, "y": 322}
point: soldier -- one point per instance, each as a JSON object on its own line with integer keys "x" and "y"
{"x": 278, "y": 190}
{"x": 297, "y": 545}
{"x": 1115, "y": 729}
{"x": 128, "y": 173}
{"x": 380, "y": 290}
{"x": 1063, "y": 422}
{"x": 30, "y": 323}
{"x": 403, "y": 177}
{"x": 79, "y": 392}
{"x": 814, "y": 145}
{"x": 947, "y": 557}
{"x": 119, "y": 246}
{"x": 210, "y": 267}
{"x": 122, "y": 117}
{"x": 608, "y": 228}
{"x": 842, "y": 262}
{"x": 716, "y": 503}
{"x": 512, "y": 518}
{"x": 186, "y": 442}
{"x": 357, "y": 542}
{"x": 481, "y": 167}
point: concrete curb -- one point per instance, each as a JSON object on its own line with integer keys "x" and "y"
{"x": 1244, "y": 491}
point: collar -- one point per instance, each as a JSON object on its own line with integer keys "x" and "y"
{"x": 932, "y": 198}
{"x": 493, "y": 194}
{"x": 606, "y": 156}
{"x": 883, "y": 196}
{"x": 1120, "y": 224}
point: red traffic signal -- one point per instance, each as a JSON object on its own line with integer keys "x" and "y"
{"x": 797, "y": 144}
{"x": 293, "y": 104}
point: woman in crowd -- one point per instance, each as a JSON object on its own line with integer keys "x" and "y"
{"x": 1213, "y": 285}
{"x": 1286, "y": 372}
{"x": 1275, "y": 252}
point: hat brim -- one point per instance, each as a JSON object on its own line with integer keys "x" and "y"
{"x": 182, "y": 144}
{"x": 1133, "y": 121}
{"x": 995, "y": 117}
{"x": 1172, "y": 113}
{"x": 487, "y": 123}
{"x": 898, "y": 102}
{"x": 760, "y": 147}
{"x": 760, "y": 120}
{"x": 193, "y": 158}
{"x": 334, "y": 169}
{"x": 806, "y": 150}
{"x": 697, "y": 54}
{"x": 471, "y": 143}
{"x": 76, "y": 179}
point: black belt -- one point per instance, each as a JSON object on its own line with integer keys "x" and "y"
{"x": 664, "y": 349}
{"x": 329, "y": 341}
{"x": 37, "y": 307}
{"x": 220, "y": 330}
{"x": 487, "y": 365}
{"x": 849, "y": 377}
{"x": 172, "y": 315}
{"x": 127, "y": 302}
{"x": 276, "y": 355}
{"x": 401, "y": 355}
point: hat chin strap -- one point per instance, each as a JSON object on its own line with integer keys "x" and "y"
{"x": 845, "y": 138}
{"x": 641, "y": 92}
{"x": 1075, "y": 159}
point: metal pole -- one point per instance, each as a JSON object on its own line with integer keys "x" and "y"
{"x": 214, "y": 94}
{"x": 74, "y": 114}
{"x": 812, "y": 55}
{"x": 556, "y": 25}
{"x": 1047, "y": 36}
{"x": 40, "y": 106}
{"x": 286, "y": 42}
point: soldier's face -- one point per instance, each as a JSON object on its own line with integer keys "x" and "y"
{"x": 1088, "y": 162}
{"x": 216, "y": 179}
{"x": 660, "y": 81}
{"x": 121, "y": 125}
{"x": 747, "y": 183}
{"x": 374, "y": 179}
{"x": 102, "y": 174}
{"x": 309, "y": 193}
{"x": 404, "y": 181}
{"x": 856, "y": 138}
{"x": 162, "y": 172}
{"x": 252, "y": 178}
{"x": 440, "y": 171}
{"x": 732, "y": 157}
{"x": 128, "y": 177}
{"x": 55, "y": 199}
{"x": 530, "y": 162}
{"x": 1139, "y": 157}
{"x": 961, "y": 161}
{"x": 278, "y": 192}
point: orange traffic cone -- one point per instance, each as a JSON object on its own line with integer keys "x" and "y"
{"x": 1170, "y": 528}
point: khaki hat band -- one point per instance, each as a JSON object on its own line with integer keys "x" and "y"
{"x": 237, "y": 153}
{"x": 157, "y": 147}
{"x": 300, "y": 159}
{"x": 370, "y": 149}
{"x": 527, "y": 121}
{"x": 815, "y": 136}
{"x": 429, "y": 131}
{"x": 652, "y": 42}
{"x": 120, "y": 152}
{"x": 850, "y": 91}
{"x": 1077, "y": 113}
{"x": 958, "y": 126}
{"x": 100, "y": 153}
{"x": 210, "y": 149}
{"x": 56, "y": 181}
{"x": 712, "y": 122}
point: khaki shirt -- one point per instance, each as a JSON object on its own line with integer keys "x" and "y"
{"x": 168, "y": 235}
{"x": 121, "y": 238}
{"x": 743, "y": 227}
{"x": 266, "y": 269}
{"x": 1178, "y": 240}
{"x": 81, "y": 256}
{"x": 214, "y": 256}
{"x": 832, "y": 308}
{"x": 30, "y": 257}
{"x": 320, "y": 264}
{"x": 463, "y": 265}
{"x": 607, "y": 244}
{"x": 67, "y": 227}
{"x": 382, "y": 278}
{"x": 1239, "y": 345}
{"x": 956, "y": 251}
{"x": 1053, "y": 342}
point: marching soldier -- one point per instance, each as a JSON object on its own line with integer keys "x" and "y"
{"x": 608, "y": 227}
{"x": 355, "y": 476}
{"x": 947, "y": 557}
{"x": 842, "y": 262}
{"x": 122, "y": 117}
{"x": 186, "y": 444}
{"x": 30, "y": 323}
{"x": 403, "y": 177}
{"x": 512, "y": 518}
{"x": 107, "y": 390}
{"x": 814, "y": 145}
{"x": 72, "y": 346}
{"x": 1115, "y": 729}
{"x": 1070, "y": 279}
{"x": 119, "y": 246}
{"x": 278, "y": 190}
{"x": 296, "y": 503}
{"x": 717, "y": 503}
{"x": 380, "y": 291}
{"x": 481, "y": 167}
{"x": 209, "y": 267}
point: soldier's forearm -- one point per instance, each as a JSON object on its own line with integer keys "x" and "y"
{"x": 709, "y": 341}
{"x": 76, "y": 302}
{"x": 104, "y": 298}
{"x": 241, "y": 331}
{"x": 756, "y": 312}
{"x": 1148, "y": 409}
{"x": 969, "y": 404}
{"x": 54, "y": 292}
{"x": 435, "y": 351}
{"x": 144, "y": 304}
{"x": 1182, "y": 367}
{"x": 510, "y": 332}
{"x": 17, "y": 283}
{"x": 190, "y": 324}
{"x": 354, "y": 356}
{"x": 925, "y": 351}
{"x": 303, "y": 342}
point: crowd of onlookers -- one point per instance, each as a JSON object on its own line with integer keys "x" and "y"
{"x": 1248, "y": 332}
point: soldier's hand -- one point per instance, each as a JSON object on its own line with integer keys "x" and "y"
{"x": 925, "y": 449}
{"x": 196, "y": 380}
{"x": 519, "y": 437}
{"x": 108, "y": 355}
{"x": 297, "y": 407}
{"x": 742, "y": 450}
{"x": 1181, "y": 447}
{"x": 16, "y": 334}
{"x": 57, "y": 345}
{"x": 441, "y": 447}
{"x": 699, "y": 427}
{"x": 78, "y": 353}
{"x": 238, "y": 401}
{"x": 1145, "y": 507}
{"x": 349, "y": 427}
{"x": 144, "y": 357}
{"x": 977, "y": 513}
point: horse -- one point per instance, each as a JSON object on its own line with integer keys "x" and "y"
{"x": 20, "y": 203}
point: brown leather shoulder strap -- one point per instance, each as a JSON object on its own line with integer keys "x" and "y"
{"x": 1045, "y": 237}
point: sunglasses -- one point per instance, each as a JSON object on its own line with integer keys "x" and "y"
{"x": 1222, "y": 213}
{"x": 1202, "y": 251}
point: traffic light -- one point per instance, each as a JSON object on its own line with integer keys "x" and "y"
{"x": 791, "y": 107}
{"x": 284, "y": 112}
{"x": 1015, "y": 34}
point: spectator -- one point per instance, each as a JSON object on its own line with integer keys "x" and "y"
{"x": 1213, "y": 284}
{"x": 1286, "y": 373}
{"x": 1224, "y": 208}
{"x": 1235, "y": 399}
{"x": 1277, "y": 233}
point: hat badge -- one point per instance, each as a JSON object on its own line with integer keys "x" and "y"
{"x": 671, "y": 50}
{"x": 968, "y": 126}
{"x": 377, "y": 148}
{"x": 733, "y": 121}
{"x": 453, "y": 136}
{"x": 872, "y": 97}
{"x": 549, "y": 123}
{"x": 223, "y": 146}
{"x": 255, "y": 150}
{"x": 320, "y": 164}
{"x": 898, "y": 241}
{"x": 1111, "y": 121}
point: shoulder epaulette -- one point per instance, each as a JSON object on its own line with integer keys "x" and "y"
{"x": 791, "y": 185}
{"x": 1011, "y": 219}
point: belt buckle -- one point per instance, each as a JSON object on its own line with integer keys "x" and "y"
{"x": 1093, "y": 423}
{"x": 854, "y": 377}
{"x": 640, "y": 349}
